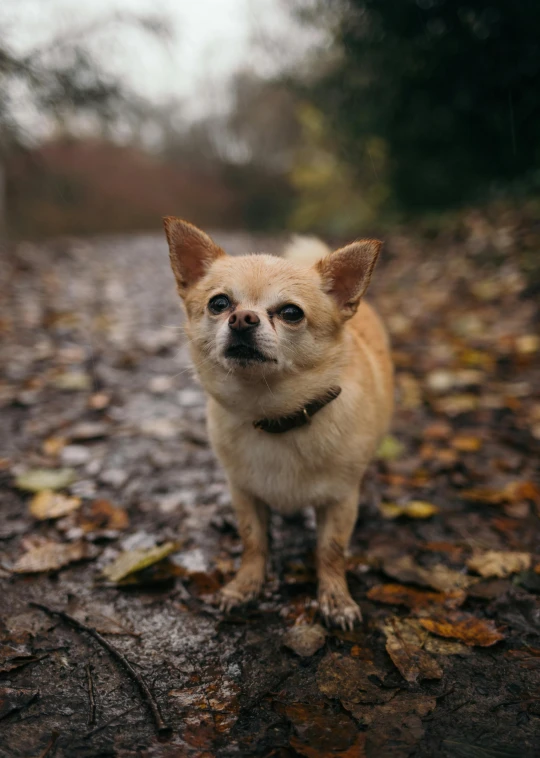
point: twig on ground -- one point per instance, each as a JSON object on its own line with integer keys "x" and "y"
{"x": 162, "y": 728}
{"x": 91, "y": 696}
{"x": 50, "y": 745}
{"x": 108, "y": 723}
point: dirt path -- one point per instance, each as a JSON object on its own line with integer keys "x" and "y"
{"x": 95, "y": 378}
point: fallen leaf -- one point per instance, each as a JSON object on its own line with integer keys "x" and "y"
{"x": 454, "y": 405}
{"x": 512, "y": 492}
{"x": 404, "y": 642}
{"x": 398, "y": 594}
{"x": 351, "y": 680}
{"x": 135, "y": 560}
{"x": 356, "y": 750}
{"x": 204, "y": 582}
{"x": 12, "y": 699}
{"x": 104, "y": 516}
{"x": 102, "y": 619}
{"x": 89, "y": 430}
{"x": 305, "y": 639}
{"x": 453, "y": 551}
{"x": 439, "y": 577}
{"x": 394, "y": 728}
{"x": 390, "y": 449}
{"x": 53, "y": 445}
{"x": 466, "y": 444}
{"x": 413, "y": 509}
{"x": 464, "y": 627}
{"x": 320, "y": 732}
{"x": 39, "y": 479}
{"x": 220, "y": 696}
{"x": 48, "y": 504}
{"x": 50, "y": 557}
{"x": 500, "y": 563}
{"x": 72, "y": 381}
{"x": 442, "y": 646}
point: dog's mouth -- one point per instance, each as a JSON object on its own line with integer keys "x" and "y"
{"x": 245, "y": 354}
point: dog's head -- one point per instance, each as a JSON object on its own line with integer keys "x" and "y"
{"x": 260, "y": 314}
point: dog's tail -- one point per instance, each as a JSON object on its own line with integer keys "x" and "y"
{"x": 305, "y": 250}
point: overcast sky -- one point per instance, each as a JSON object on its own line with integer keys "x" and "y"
{"x": 209, "y": 40}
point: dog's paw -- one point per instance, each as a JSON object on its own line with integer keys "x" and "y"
{"x": 339, "y": 609}
{"x": 239, "y": 592}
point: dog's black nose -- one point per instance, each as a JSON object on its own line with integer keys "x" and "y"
{"x": 241, "y": 321}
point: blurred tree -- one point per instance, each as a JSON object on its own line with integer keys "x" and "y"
{"x": 62, "y": 82}
{"x": 249, "y": 147}
{"x": 332, "y": 195}
{"x": 452, "y": 88}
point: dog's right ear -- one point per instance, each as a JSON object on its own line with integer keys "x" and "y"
{"x": 191, "y": 252}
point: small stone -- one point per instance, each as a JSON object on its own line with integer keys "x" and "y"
{"x": 75, "y": 455}
{"x": 160, "y": 384}
{"x": 190, "y": 398}
{"x": 115, "y": 477}
{"x": 305, "y": 639}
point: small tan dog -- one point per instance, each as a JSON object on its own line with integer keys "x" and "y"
{"x": 299, "y": 381}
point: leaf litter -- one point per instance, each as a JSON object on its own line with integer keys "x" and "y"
{"x": 465, "y": 433}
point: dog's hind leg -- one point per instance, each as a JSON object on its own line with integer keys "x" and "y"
{"x": 252, "y": 518}
{"x": 335, "y": 524}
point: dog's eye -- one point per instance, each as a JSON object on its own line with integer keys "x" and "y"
{"x": 291, "y": 313}
{"x": 218, "y": 304}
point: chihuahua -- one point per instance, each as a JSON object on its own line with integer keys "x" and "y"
{"x": 299, "y": 379}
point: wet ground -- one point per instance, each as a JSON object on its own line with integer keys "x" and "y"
{"x": 96, "y": 389}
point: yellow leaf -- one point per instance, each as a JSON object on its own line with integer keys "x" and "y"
{"x": 390, "y": 448}
{"x": 137, "y": 560}
{"x": 48, "y": 504}
{"x": 413, "y": 509}
{"x": 39, "y": 479}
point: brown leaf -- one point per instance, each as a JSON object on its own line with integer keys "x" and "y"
{"x": 356, "y": 750}
{"x": 404, "y": 642}
{"x": 464, "y": 627}
{"x": 50, "y": 505}
{"x": 466, "y": 443}
{"x": 52, "y": 446}
{"x": 439, "y": 577}
{"x": 512, "y": 492}
{"x": 205, "y": 583}
{"x": 398, "y": 594}
{"x": 104, "y": 516}
{"x": 500, "y": 563}
{"x": 305, "y": 639}
{"x": 50, "y": 557}
{"x": 394, "y": 728}
{"x": 320, "y": 732}
{"x": 349, "y": 680}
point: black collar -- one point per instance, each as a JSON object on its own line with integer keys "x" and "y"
{"x": 298, "y": 419}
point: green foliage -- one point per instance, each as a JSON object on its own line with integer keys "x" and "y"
{"x": 451, "y": 89}
{"x": 333, "y": 195}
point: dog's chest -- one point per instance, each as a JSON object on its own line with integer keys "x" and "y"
{"x": 288, "y": 471}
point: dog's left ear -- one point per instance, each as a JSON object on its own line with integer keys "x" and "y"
{"x": 191, "y": 252}
{"x": 346, "y": 273}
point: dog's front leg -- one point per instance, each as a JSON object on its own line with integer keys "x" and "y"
{"x": 335, "y": 524}
{"x": 252, "y": 518}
